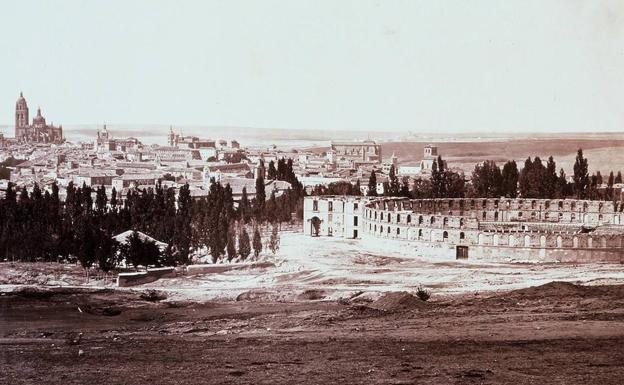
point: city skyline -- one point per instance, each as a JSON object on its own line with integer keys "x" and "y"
{"x": 364, "y": 66}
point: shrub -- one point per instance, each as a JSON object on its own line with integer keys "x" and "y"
{"x": 423, "y": 294}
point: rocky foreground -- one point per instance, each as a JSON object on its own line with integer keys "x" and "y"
{"x": 556, "y": 333}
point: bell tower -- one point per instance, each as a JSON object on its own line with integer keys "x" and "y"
{"x": 21, "y": 116}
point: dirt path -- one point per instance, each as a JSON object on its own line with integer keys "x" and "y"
{"x": 558, "y": 333}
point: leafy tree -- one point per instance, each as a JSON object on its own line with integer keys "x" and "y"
{"x": 422, "y": 189}
{"x": 405, "y": 187}
{"x": 106, "y": 253}
{"x": 274, "y": 241}
{"x": 487, "y": 180}
{"x": 509, "y": 183}
{"x": 87, "y": 248}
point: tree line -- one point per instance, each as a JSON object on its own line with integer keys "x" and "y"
{"x": 443, "y": 183}
{"x": 39, "y": 226}
{"x": 537, "y": 179}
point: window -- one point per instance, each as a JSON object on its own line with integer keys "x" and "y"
{"x": 355, "y": 221}
{"x": 355, "y": 206}
{"x": 484, "y": 214}
{"x": 445, "y": 221}
{"x": 462, "y": 235}
{"x": 381, "y": 216}
{"x": 432, "y": 220}
{"x": 330, "y": 206}
{"x": 445, "y": 235}
{"x": 388, "y": 229}
{"x": 420, "y": 219}
{"x": 409, "y": 219}
{"x": 315, "y": 205}
{"x": 398, "y": 231}
{"x": 398, "y": 218}
{"x": 419, "y": 233}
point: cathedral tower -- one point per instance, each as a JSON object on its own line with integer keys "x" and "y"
{"x": 21, "y": 116}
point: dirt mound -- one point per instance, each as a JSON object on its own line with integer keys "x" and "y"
{"x": 108, "y": 311}
{"x": 254, "y": 295}
{"x": 399, "y": 300}
{"x": 552, "y": 289}
{"x": 312, "y": 295}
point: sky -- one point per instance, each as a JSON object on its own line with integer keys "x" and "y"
{"x": 417, "y": 66}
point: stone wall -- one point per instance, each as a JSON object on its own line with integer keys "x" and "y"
{"x": 493, "y": 228}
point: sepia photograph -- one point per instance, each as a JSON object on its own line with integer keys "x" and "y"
{"x": 312, "y": 192}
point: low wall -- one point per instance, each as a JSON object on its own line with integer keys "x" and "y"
{"x": 222, "y": 268}
{"x": 580, "y": 255}
{"x": 142, "y": 277}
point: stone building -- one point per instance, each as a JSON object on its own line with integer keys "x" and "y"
{"x": 333, "y": 216}
{"x": 430, "y": 154}
{"x": 37, "y": 132}
{"x": 494, "y": 229}
{"x": 358, "y": 153}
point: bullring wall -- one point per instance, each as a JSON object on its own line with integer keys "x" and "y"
{"x": 540, "y": 230}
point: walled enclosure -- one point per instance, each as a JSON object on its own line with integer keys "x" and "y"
{"x": 528, "y": 229}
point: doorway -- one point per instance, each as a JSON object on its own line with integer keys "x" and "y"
{"x": 461, "y": 252}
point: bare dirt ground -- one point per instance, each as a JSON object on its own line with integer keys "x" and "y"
{"x": 557, "y": 333}
{"x": 318, "y": 314}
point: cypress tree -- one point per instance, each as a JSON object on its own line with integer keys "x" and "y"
{"x": 244, "y": 246}
{"x": 581, "y": 175}
{"x": 257, "y": 242}
{"x": 260, "y": 198}
{"x": 372, "y": 184}
{"x": 231, "y": 242}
